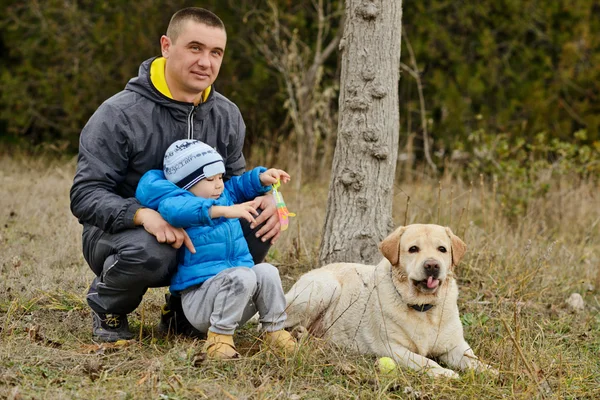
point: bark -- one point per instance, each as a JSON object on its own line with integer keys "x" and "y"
{"x": 359, "y": 207}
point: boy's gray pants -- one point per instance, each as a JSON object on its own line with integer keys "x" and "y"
{"x": 233, "y": 296}
{"x": 127, "y": 263}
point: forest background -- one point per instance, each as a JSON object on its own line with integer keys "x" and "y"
{"x": 496, "y": 77}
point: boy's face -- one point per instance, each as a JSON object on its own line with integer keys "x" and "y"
{"x": 209, "y": 188}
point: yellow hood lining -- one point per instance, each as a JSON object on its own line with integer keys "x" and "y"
{"x": 158, "y": 79}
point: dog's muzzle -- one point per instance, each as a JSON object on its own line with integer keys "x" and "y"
{"x": 431, "y": 269}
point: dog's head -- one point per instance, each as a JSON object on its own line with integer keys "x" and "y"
{"x": 424, "y": 253}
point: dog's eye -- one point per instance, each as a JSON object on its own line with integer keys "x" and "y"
{"x": 413, "y": 249}
{"x": 442, "y": 249}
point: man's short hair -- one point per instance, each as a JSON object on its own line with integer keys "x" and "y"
{"x": 196, "y": 14}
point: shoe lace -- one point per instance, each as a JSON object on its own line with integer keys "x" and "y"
{"x": 113, "y": 320}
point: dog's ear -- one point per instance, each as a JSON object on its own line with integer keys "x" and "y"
{"x": 390, "y": 246}
{"x": 459, "y": 248}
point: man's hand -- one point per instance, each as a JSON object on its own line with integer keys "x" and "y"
{"x": 164, "y": 232}
{"x": 244, "y": 210}
{"x": 271, "y": 229}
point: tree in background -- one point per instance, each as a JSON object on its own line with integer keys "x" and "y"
{"x": 503, "y": 75}
{"x": 60, "y": 60}
{"x": 515, "y": 67}
{"x": 63, "y": 59}
{"x": 359, "y": 207}
{"x": 301, "y": 66}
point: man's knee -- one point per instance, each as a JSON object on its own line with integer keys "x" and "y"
{"x": 158, "y": 257}
{"x": 155, "y": 261}
{"x": 258, "y": 248}
{"x": 146, "y": 250}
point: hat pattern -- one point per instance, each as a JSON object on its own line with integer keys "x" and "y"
{"x": 188, "y": 161}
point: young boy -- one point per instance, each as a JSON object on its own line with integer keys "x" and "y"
{"x": 219, "y": 284}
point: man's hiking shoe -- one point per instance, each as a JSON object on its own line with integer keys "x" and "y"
{"x": 173, "y": 321}
{"x": 110, "y": 327}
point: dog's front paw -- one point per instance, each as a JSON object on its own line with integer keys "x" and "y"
{"x": 480, "y": 367}
{"x": 299, "y": 332}
{"x": 487, "y": 368}
{"x": 442, "y": 372}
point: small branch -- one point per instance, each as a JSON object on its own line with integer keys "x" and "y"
{"x": 319, "y": 59}
{"x": 321, "y": 19}
{"x": 414, "y": 72}
{"x": 439, "y": 201}
{"x": 542, "y": 385}
{"x": 406, "y": 211}
{"x": 571, "y": 112}
{"x": 450, "y": 208}
{"x": 467, "y": 213}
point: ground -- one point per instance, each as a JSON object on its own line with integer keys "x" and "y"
{"x": 514, "y": 281}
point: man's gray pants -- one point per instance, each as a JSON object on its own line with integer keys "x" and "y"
{"x": 127, "y": 263}
{"x": 233, "y": 296}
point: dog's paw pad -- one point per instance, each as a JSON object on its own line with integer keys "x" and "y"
{"x": 443, "y": 372}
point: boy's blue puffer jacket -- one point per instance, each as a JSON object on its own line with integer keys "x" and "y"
{"x": 219, "y": 242}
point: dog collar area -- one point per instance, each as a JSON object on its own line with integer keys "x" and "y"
{"x": 421, "y": 307}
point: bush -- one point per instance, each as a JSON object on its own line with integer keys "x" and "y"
{"x": 524, "y": 170}
{"x": 511, "y": 66}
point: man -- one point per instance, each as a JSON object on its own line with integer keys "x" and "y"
{"x": 131, "y": 248}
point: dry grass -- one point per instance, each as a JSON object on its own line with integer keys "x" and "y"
{"x": 514, "y": 282}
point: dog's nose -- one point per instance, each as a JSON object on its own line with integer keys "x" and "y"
{"x": 432, "y": 268}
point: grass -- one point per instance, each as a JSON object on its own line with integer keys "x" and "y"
{"x": 514, "y": 281}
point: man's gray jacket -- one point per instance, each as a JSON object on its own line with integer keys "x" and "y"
{"x": 129, "y": 134}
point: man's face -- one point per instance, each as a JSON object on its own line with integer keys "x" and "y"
{"x": 193, "y": 60}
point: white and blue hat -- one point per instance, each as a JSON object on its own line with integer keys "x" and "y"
{"x": 187, "y": 162}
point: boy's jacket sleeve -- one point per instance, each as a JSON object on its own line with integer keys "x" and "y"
{"x": 246, "y": 186}
{"x": 178, "y": 207}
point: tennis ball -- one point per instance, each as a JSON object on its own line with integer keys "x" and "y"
{"x": 386, "y": 365}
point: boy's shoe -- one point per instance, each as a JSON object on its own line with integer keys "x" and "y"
{"x": 220, "y": 347}
{"x": 110, "y": 327}
{"x": 281, "y": 340}
{"x": 173, "y": 320}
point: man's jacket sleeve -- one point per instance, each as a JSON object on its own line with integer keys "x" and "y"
{"x": 102, "y": 165}
{"x": 246, "y": 186}
{"x": 235, "y": 164}
{"x": 178, "y": 207}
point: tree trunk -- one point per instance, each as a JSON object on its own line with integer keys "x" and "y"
{"x": 359, "y": 207}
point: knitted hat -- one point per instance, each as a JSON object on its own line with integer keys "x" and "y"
{"x": 187, "y": 162}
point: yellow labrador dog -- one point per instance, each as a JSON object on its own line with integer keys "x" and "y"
{"x": 404, "y": 307}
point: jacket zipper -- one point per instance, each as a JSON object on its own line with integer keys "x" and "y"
{"x": 190, "y": 121}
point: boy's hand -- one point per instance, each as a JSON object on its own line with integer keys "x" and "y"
{"x": 273, "y": 175}
{"x": 246, "y": 211}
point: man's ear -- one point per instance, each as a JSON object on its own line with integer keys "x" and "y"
{"x": 459, "y": 248}
{"x": 390, "y": 246}
{"x": 165, "y": 44}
